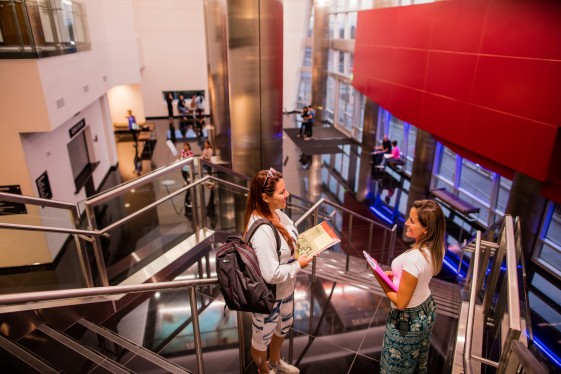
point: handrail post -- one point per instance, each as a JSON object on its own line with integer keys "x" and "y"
{"x": 196, "y": 330}
{"x": 241, "y": 341}
{"x": 349, "y": 242}
{"x": 98, "y": 251}
{"x": 471, "y": 309}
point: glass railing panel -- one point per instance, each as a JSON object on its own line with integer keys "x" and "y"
{"x": 13, "y": 30}
{"x": 42, "y": 28}
{"x": 32, "y": 247}
{"x": 224, "y": 205}
{"x": 41, "y": 270}
{"x": 143, "y": 238}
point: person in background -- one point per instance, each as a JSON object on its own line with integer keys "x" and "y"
{"x": 133, "y": 126}
{"x": 394, "y": 155}
{"x": 267, "y": 196}
{"x": 310, "y": 123}
{"x": 182, "y": 107}
{"x": 169, "y": 101}
{"x": 207, "y": 155}
{"x": 137, "y": 161}
{"x": 378, "y": 153}
{"x": 186, "y": 152}
{"x": 304, "y": 116}
{"x": 411, "y": 318}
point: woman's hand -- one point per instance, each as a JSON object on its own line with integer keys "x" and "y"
{"x": 304, "y": 261}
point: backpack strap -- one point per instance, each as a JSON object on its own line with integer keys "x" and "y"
{"x": 255, "y": 225}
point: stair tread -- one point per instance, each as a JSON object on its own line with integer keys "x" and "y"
{"x": 130, "y": 353}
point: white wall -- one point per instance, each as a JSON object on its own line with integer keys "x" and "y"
{"x": 172, "y": 36}
{"x": 296, "y": 21}
{"x": 47, "y": 152}
{"x": 35, "y": 130}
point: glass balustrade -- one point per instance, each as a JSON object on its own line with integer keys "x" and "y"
{"x": 42, "y": 28}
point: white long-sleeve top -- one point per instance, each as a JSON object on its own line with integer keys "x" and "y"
{"x": 282, "y": 273}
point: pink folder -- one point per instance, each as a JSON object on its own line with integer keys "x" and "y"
{"x": 374, "y": 265}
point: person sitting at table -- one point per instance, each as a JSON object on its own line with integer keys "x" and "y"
{"x": 378, "y": 153}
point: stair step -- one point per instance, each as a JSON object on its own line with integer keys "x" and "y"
{"x": 331, "y": 265}
{"x": 17, "y": 359}
{"x": 67, "y": 354}
{"x": 120, "y": 349}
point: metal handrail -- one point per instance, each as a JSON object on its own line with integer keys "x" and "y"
{"x": 471, "y": 311}
{"x": 521, "y": 357}
{"x": 22, "y": 199}
{"x": 506, "y": 248}
{"x": 117, "y": 290}
{"x": 41, "y": 296}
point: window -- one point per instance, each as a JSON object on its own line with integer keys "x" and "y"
{"x": 548, "y": 250}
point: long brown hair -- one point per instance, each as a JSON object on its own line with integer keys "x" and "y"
{"x": 432, "y": 218}
{"x": 261, "y": 184}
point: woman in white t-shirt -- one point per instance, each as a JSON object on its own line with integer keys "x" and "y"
{"x": 411, "y": 318}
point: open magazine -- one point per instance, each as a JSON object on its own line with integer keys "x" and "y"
{"x": 318, "y": 238}
{"x": 378, "y": 269}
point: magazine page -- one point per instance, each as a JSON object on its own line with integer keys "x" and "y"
{"x": 317, "y": 239}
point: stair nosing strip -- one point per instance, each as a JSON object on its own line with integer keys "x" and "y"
{"x": 125, "y": 343}
{"x": 81, "y": 349}
{"x": 29, "y": 358}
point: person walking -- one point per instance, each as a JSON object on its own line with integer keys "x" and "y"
{"x": 267, "y": 196}
{"x": 411, "y": 318}
{"x": 304, "y": 116}
{"x": 133, "y": 126}
{"x": 310, "y": 123}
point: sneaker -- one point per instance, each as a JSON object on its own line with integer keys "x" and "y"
{"x": 307, "y": 138}
{"x": 298, "y": 136}
{"x": 283, "y": 367}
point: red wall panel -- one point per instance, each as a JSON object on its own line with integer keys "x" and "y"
{"x": 482, "y": 75}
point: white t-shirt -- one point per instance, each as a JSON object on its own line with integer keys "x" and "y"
{"x": 413, "y": 262}
{"x": 282, "y": 274}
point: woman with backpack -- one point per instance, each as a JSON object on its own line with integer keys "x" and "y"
{"x": 267, "y": 196}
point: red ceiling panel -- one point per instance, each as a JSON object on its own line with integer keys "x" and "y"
{"x": 501, "y": 60}
{"x": 497, "y": 136}
{"x": 451, "y": 74}
{"x": 540, "y": 137}
{"x": 466, "y": 22}
{"x": 414, "y": 26}
{"x": 405, "y": 103}
{"x": 379, "y": 26}
{"x": 444, "y": 117}
{"x": 409, "y": 67}
{"x": 380, "y": 62}
{"x": 521, "y": 28}
{"x": 511, "y": 85}
{"x": 549, "y": 106}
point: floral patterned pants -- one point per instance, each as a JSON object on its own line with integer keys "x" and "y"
{"x": 407, "y": 339}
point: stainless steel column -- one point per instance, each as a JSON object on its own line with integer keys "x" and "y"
{"x": 216, "y": 25}
{"x": 320, "y": 53}
{"x": 371, "y": 110}
{"x": 255, "y": 63}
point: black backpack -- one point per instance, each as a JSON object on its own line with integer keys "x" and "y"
{"x": 240, "y": 278}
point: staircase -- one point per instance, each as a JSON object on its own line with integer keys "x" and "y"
{"x": 83, "y": 347}
{"x": 331, "y": 266}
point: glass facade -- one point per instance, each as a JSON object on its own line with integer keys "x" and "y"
{"x": 548, "y": 250}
